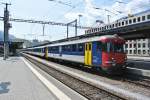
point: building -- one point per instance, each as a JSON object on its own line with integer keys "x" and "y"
{"x": 139, "y": 47}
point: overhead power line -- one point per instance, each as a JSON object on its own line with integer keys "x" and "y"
{"x": 44, "y": 22}
{"x": 63, "y": 3}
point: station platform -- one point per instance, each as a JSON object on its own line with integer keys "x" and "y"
{"x": 138, "y": 58}
{"x": 19, "y": 80}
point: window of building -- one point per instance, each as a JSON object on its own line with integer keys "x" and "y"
{"x": 139, "y": 45}
{"x": 113, "y": 25}
{"x": 106, "y": 27}
{"x": 148, "y": 52}
{"x": 143, "y": 18}
{"x": 130, "y": 45}
{"x": 135, "y": 52}
{"x": 127, "y": 51}
{"x": 134, "y": 45}
{"x": 139, "y": 19}
{"x": 122, "y": 23}
{"x": 119, "y": 24}
{"x": 130, "y": 21}
{"x": 139, "y": 51}
{"x": 148, "y": 16}
{"x": 109, "y": 26}
{"x": 134, "y": 20}
{"x": 96, "y": 30}
{"x": 126, "y": 45}
{"x": 100, "y": 28}
{"x": 144, "y": 52}
{"x": 126, "y": 22}
{"x": 148, "y": 44}
{"x": 143, "y": 45}
{"x": 130, "y": 51}
{"x": 116, "y": 25}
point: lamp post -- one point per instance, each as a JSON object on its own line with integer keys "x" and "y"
{"x": 79, "y": 18}
{"x": 108, "y": 16}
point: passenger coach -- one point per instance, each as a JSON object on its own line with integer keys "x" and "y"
{"x": 100, "y": 52}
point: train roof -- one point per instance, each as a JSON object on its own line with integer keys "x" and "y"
{"x": 104, "y": 38}
{"x": 137, "y": 14}
{"x": 76, "y": 40}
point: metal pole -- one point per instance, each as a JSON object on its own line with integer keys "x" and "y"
{"x": 76, "y": 27}
{"x": 67, "y": 31}
{"x": 108, "y": 16}
{"x": 6, "y": 28}
{"x": 43, "y": 29}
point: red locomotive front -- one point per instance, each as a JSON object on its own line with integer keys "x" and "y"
{"x": 113, "y": 54}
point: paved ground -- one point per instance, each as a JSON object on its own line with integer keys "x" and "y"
{"x": 17, "y": 82}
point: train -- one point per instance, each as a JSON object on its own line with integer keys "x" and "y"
{"x": 134, "y": 19}
{"x": 105, "y": 53}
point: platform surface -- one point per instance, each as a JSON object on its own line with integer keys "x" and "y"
{"x": 17, "y": 82}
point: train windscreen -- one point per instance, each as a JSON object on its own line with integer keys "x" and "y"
{"x": 113, "y": 47}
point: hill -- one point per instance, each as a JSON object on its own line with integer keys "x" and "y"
{"x": 11, "y": 37}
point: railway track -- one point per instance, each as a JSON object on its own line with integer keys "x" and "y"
{"x": 87, "y": 90}
{"x": 128, "y": 78}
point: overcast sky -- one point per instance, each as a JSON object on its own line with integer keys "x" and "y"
{"x": 54, "y": 11}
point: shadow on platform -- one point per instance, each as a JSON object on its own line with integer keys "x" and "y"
{"x": 4, "y": 87}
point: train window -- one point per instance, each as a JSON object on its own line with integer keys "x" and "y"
{"x": 134, "y": 20}
{"x": 99, "y": 44}
{"x": 104, "y": 47}
{"x": 122, "y": 23}
{"x": 139, "y": 19}
{"x": 80, "y": 47}
{"x": 130, "y": 21}
{"x": 117, "y": 48}
{"x": 90, "y": 46}
{"x": 74, "y": 46}
{"x": 148, "y": 16}
{"x": 68, "y": 47}
{"x": 126, "y": 22}
{"x": 86, "y": 47}
{"x": 143, "y": 18}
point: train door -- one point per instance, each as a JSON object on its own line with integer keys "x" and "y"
{"x": 88, "y": 54}
{"x": 46, "y": 52}
{"x": 96, "y": 53}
